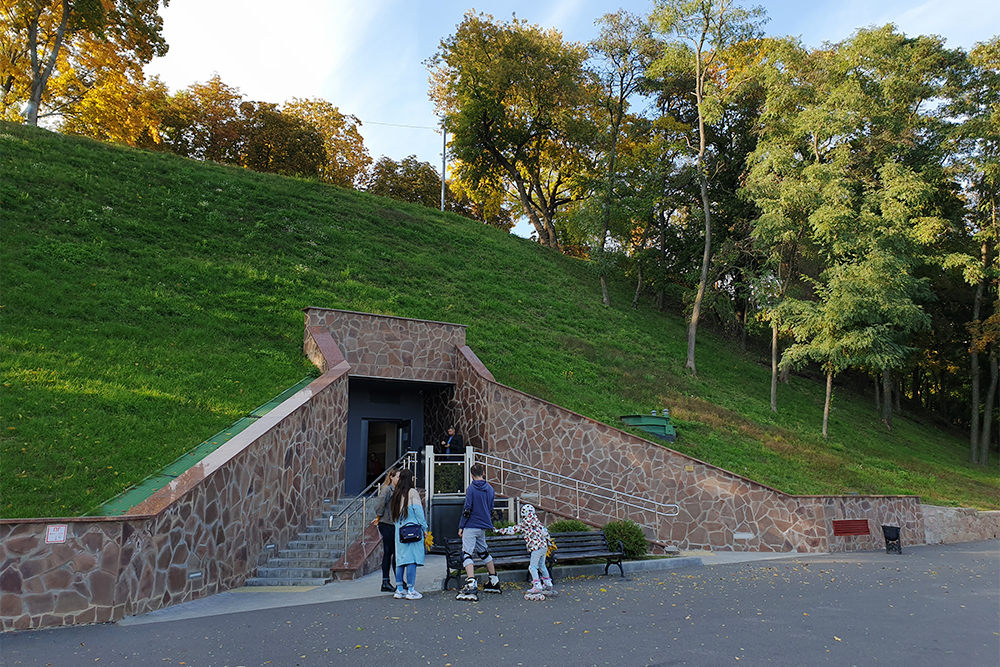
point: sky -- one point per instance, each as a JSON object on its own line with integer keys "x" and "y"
{"x": 367, "y": 56}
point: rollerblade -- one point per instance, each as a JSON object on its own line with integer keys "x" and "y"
{"x": 536, "y": 593}
{"x": 547, "y": 589}
{"x": 493, "y": 587}
{"x": 470, "y": 591}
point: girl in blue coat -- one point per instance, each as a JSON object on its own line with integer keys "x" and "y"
{"x": 406, "y": 507}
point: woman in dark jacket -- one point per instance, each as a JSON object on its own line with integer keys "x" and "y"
{"x": 386, "y": 528}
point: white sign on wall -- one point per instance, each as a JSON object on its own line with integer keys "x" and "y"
{"x": 55, "y": 534}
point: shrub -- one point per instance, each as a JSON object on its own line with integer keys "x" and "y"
{"x": 631, "y": 537}
{"x": 568, "y": 526}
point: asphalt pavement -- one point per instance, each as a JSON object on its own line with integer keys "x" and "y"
{"x": 932, "y": 605}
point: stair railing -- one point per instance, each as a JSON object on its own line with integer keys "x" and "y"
{"x": 575, "y": 493}
{"x": 360, "y": 502}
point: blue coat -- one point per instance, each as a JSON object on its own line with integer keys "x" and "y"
{"x": 414, "y": 551}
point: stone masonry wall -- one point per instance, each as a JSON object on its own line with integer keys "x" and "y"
{"x": 715, "y": 505}
{"x": 945, "y": 525}
{"x": 392, "y": 347}
{"x": 198, "y": 536}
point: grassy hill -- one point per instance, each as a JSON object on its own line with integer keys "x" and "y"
{"x": 149, "y": 301}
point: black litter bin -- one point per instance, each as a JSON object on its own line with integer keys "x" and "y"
{"x": 891, "y": 534}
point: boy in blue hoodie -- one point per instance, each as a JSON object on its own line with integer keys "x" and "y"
{"x": 477, "y": 518}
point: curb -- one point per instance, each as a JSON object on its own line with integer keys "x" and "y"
{"x": 567, "y": 571}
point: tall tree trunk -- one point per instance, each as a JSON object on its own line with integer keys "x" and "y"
{"x": 887, "y": 398}
{"x": 607, "y": 206}
{"x": 661, "y": 293}
{"x": 826, "y": 404}
{"x": 786, "y": 375}
{"x": 974, "y": 361}
{"x": 984, "y": 436}
{"x": 774, "y": 365}
{"x": 638, "y": 285}
{"x": 41, "y": 71}
{"x": 878, "y": 395}
{"x": 706, "y": 257}
{"x": 743, "y": 332}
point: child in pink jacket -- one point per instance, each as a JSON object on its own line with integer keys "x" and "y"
{"x": 536, "y": 536}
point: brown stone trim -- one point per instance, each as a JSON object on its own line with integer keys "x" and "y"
{"x": 307, "y": 309}
{"x": 332, "y": 355}
{"x": 161, "y": 501}
{"x": 476, "y": 364}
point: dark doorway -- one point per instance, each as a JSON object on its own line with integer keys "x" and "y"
{"x": 385, "y": 442}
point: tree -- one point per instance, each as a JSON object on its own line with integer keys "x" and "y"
{"x": 851, "y": 166}
{"x": 43, "y": 38}
{"x": 513, "y": 97}
{"x": 977, "y": 101}
{"x": 409, "y": 180}
{"x": 703, "y": 30}
{"x": 119, "y": 110}
{"x": 623, "y": 52}
{"x": 276, "y": 143}
{"x": 347, "y": 159}
{"x": 203, "y": 122}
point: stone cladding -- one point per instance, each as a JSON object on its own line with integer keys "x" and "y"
{"x": 945, "y": 525}
{"x": 719, "y": 510}
{"x": 397, "y": 348}
{"x": 207, "y": 530}
{"x": 200, "y": 535}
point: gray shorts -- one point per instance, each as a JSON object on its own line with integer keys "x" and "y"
{"x": 474, "y": 544}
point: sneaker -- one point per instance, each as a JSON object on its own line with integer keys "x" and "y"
{"x": 400, "y": 594}
{"x": 387, "y": 587}
{"x": 490, "y": 587}
{"x": 413, "y": 594}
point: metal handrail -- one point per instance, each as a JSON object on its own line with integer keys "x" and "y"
{"x": 409, "y": 459}
{"x": 620, "y": 499}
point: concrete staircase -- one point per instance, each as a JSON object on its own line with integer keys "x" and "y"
{"x": 306, "y": 560}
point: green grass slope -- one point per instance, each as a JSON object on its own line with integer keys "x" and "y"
{"x": 149, "y": 301}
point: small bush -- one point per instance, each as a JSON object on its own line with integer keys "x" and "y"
{"x": 568, "y": 526}
{"x": 631, "y": 537}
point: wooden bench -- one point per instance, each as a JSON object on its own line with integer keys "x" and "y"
{"x": 587, "y": 544}
{"x": 506, "y": 550}
{"x": 844, "y": 527}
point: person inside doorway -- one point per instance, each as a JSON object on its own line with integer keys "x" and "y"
{"x": 375, "y": 468}
{"x": 452, "y": 444}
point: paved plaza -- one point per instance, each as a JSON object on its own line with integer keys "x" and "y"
{"x": 932, "y": 605}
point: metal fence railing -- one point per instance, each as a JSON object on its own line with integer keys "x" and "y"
{"x": 570, "y": 496}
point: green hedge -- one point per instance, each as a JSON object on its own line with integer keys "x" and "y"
{"x": 631, "y": 537}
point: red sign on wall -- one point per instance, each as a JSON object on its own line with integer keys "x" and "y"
{"x": 55, "y": 534}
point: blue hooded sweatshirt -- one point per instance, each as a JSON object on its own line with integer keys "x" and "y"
{"x": 478, "y": 509}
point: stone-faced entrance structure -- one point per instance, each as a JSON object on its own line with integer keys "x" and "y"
{"x": 207, "y": 530}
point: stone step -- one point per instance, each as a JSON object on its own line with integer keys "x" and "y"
{"x": 296, "y": 561}
{"x": 313, "y": 554}
{"x": 257, "y": 581}
{"x": 315, "y": 545}
{"x": 293, "y": 572}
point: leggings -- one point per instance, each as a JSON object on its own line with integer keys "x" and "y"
{"x": 407, "y": 573}
{"x": 538, "y": 565}
{"x": 388, "y": 533}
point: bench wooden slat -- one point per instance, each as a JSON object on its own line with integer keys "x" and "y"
{"x": 583, "y": 545}
{"x": 850, "y": 527}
